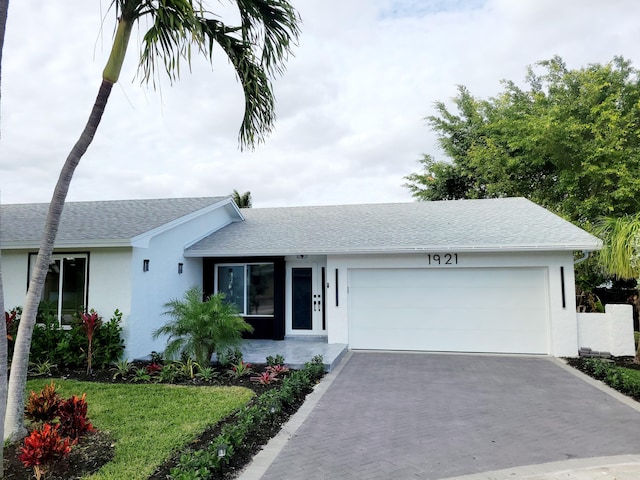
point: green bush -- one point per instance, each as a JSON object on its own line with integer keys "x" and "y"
{"x": 625, "y": 380}
{"x": 67, "y": 348}
{"x": 205, "y": 463}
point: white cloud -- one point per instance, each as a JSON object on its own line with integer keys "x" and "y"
{"x": 350, "y": 106}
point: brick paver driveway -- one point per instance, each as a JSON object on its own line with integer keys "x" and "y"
{"x": 428, "y": 416}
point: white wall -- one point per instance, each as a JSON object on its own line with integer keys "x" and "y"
{"x": 162, "y": 283}
{"x": 611, "y": 331}
{"x": 110, "y": 282}
{"x": 562, "y": 320}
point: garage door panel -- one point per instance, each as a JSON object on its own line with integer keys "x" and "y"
{"x": 478, "y": 310}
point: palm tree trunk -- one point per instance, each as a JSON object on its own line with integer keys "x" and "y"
{"x": 14, "y": 418}
{"x": 4, "y": 9}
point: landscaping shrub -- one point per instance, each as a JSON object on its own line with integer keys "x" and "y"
{"x": 206, "y": 463}
{"x": 68, "y": 348}
{"x": 201, "y": 328}
{"x": 43, "y": 447}
{"x": 43, "y": 406}
{"x": 73, "y": 417}
{"x": 625, "y": 380}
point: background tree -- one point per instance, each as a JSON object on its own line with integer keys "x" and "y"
{"x": 4, "y": 10}
{"x": 620, "y": 255}
{"x": 242, "y": 200}
{"x": 257, "y": 48}
{"x": 201, "y": 328}
{"x": 567, "y": 141}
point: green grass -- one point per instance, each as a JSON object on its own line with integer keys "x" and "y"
{"x": 148, "y": 422}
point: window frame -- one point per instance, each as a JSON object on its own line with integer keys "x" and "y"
{"x": 246, "y": 284}
{"x": 60, "y": 300}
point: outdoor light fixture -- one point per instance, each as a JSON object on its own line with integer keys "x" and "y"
{"x": 145, "y": 265}
{"x": 180, "y": 265}
{"x": 273, "y": 408}
{"x": 222, "y": 450}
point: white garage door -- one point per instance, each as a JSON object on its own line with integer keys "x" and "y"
{"x": 458, "y": 310}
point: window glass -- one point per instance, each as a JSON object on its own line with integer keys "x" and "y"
{"x": 65, "y": 287}
{"x": 260, "y": 289}
{"x": 231, "y": 283}
{"x": 249, "y": 287}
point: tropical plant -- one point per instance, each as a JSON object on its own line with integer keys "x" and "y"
{"x": 242, "y": 200}
{"x": 273, "y": 361}
{"x": 200, "y": 328}
{"x": 240, "y": 369}
{"x": 121, "y": 369}
{"x": 43, "y": 406}
{"x": 43, "y": 447}
{"x": 90, "y": 323}
{"x": 257, "y": 49}
{"x": 72, "y": 413}
{"x": 620, "y": 254}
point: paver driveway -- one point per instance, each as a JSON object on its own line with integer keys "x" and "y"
{"x": 428, "y": 416}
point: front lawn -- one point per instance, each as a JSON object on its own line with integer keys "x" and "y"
{"x": 149, "y": 421}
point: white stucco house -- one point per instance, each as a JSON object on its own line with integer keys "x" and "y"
{"x": 463, "y": 276}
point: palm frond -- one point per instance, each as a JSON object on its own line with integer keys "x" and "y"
{"x": 272, "y": 24}
{"x": 620, "y": 255}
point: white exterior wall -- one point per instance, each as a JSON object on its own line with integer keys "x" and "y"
{"x": 611, "y": 331}
{"x": 162, "y": 283}
{"x": 563, "y": 333}
{"x": 110, "y": 282}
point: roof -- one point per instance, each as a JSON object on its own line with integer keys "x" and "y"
{"x": 503, "y": 224}
{"x": 104, "y": 223}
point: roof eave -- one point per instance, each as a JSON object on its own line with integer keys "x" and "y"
{"x": 393, "y": 250}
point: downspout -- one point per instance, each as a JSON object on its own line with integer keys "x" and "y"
{"x": 585, "y": 255}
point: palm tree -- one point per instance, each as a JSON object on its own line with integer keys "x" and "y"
{"x": 201, "y": 328}
{"x": 4, "y": 9}
{"x": 242, "y": 200}
{"x": 620, "y": 254}
{"x": 257, "y": 48}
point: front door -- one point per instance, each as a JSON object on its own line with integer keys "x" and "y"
{"x": 306, "y": 312}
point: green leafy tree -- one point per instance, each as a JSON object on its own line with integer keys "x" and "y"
{"x": 567, "y": 141}
{"x": 257, "y": 48}
{"x": 242, "y": 200}
{"x": 201, "y": 328}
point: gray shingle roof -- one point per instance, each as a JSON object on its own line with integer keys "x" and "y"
{"x": 462, "y": 225}
{"x": 105, "y": 222}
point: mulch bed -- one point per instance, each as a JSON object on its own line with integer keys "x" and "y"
{"x": 97, "y": 448}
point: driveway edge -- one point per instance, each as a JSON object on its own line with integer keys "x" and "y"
{"x": 618, "y": 467}
{"x": 263, "y": 460}
{"x": 630, "y": 402}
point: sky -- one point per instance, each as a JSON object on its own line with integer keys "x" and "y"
{"x": 350, "y": 106}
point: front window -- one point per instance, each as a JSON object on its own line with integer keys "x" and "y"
{"x": 65, "y": 288}
{"x": 248, "y": 286}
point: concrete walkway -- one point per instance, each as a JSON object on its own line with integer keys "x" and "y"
{"x": 429, "y": 416}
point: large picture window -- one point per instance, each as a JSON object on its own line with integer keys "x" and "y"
{"x": 65, "y": 288}
{"x": 248, "y": 286}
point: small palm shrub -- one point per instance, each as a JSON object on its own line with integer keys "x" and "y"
{"x": 200, "y": 328}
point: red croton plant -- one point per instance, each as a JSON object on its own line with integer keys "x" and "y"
{"x": 43, "y": 447}
{"x": 90, "y": 323}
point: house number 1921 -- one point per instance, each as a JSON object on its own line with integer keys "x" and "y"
{"x": 444, "y": 259}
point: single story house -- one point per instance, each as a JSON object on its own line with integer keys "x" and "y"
{"x": 492, "y": 275}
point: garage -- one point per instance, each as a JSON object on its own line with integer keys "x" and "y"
{"x": 500, "y": 310}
